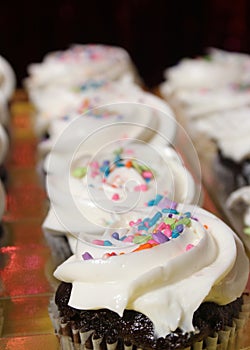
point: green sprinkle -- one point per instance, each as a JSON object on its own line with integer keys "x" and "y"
{"x": 170, "y": 221}
{"x": 80, "y": 172}
{"x": 118, "y": 151}
{"x": 184, "y": 221}
{"x": 141, "y": 239}
{"x": 136, "y": 166}
{"x": 247, "y": 230}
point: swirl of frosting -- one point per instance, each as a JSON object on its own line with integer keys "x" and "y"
{"x": 124, "y": 100}
{"x": 200, "y": 259}
{"x": 79, "y": 63}
{"x": 104, "y": 185}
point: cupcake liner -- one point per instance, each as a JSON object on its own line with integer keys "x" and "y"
{"x": 231, "y": 338}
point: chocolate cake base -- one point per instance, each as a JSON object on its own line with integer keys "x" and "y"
{"x": 234, "y": 175}
{"x": 134, "y": 329}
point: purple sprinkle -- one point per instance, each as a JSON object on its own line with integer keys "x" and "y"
{"x": 159, "y": 237}
{"x": 87, "y": 256}
{"x": 115, "y": 235}
{"x": 167, "y": 203}
{"x": 170, "y": 215}
{"x": 179, "y": 228}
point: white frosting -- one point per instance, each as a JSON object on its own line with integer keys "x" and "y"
{"x": 221, "y": 70}
{"x": 239, "y": 199}
{"x": 214, "y": 98}
{"x": 7, "y": 79}
{"x": 166, "y": 282}
{"x": 80, "y": 63}
{"x": 88, "y": 203}
{"x": 124, "y": 99}
{"x": 230, "y": 130}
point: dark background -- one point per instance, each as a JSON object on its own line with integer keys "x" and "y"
{"x": 156, "y": 33}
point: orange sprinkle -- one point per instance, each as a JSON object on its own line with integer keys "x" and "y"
{"x": 206, "y": 227}
{"x": 143, "y": 246}
{"x": 128, "y": 164}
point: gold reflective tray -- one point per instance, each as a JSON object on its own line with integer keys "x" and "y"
{"x": 26, "y": 265}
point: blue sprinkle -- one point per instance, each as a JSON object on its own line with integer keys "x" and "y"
{"x": 155, "y": 218}
{"x": 151, "y": 203}
{"x": 142, "y": 227}
{"x": 122, "y": 238}
{"x": 117, "y": 158}
{"x": 103, "y": 168}
{"x": 175, "y": 234}
{"x": 158, "y": 198}
{"x": 119, "y": 164}
{"x": 187, "y": 214}
{"x": 147, "y": 180}
{"x": 115, "y": 235}
{"x": 107, "y": 243}
{"x": 169, "y": 210}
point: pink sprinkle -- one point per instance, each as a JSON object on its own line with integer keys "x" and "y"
{"x": 146, "y": 224}
{"x": 161, "y": 226}
{"x": 128, "y": 239}
{"x": 137, "y": 188}
{"x": 131, "y": 223}
{"x": 94, "y": 173}
{"x": 143, "y": 187}
{"x": 115, "y": 197}
{"x": 129, "y": 151}
{"x": 94, "y": 165}
{"x": 138, "y": 221}
{"x": 167, "y": 232}
{"x": 152, "y": 241}
{"x": 189, "y": 246}
{"x": 147, "y": 174}
{"x": 98, "y": 242}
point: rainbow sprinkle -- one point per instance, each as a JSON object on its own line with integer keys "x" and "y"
{"x": 106, "y": 167}
{"x": 165, "y": 225}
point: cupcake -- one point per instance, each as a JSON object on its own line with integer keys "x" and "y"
{"x": 100, "y": 185}
{"x": 152, "y": 286}
{"x": 213, "y": 106}
{"x": 7, "y": 80}
{"x": 214, "y": 83}
{"x": 78, "y": 64}
{"x": 57, "y": 109}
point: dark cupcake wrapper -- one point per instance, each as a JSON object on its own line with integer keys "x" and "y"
{"x": 231, "y": 338}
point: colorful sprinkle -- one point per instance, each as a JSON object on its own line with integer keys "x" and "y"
{"x": 80, "y": 172}
{"x": 87, "y": 256}
{"x": 115, "y": 235}
{"x": 189, "y": 246}
{"x": 115, "y": 197}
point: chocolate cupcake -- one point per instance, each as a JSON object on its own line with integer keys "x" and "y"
{"x": 163, "y": 277}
